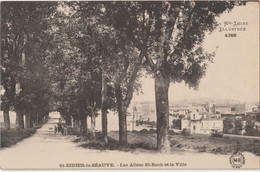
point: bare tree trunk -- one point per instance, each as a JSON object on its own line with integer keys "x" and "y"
{"x": 84, "y": 125}
{"x": 162, "y": 110}
{"x": 31, "y": 118}
{"x": 78, "y": 124}
{"x": 40, "y": 118}
{"x": 93, "y": 121}
{"x": 80, "y": 127}
{"x": 45, "y": 117}
{"x": 27, "y": 119}
{"x": 104, "y": 107}
{"x": 68, "y": 119}
{"x": 122, "y": 126}
{"x": 37, "y": 118}
{"x": 122, "y": 116}
{"x": 6, "y": 119}
{"x": 9, "y": 92}
{"x": 73, "y": 122}
{"x": 19, "y": 119}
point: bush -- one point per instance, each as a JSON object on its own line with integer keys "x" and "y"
{"x": 201, "y": 148}
{"x": 176, "y": 123}
{"x": 227, "y": 125}
{"x": 73, "y": 131}
{"x": 238, "y": 127}
{"x": 250, "y": 130}
{"x": 217, "y": 150}
{"x": 258, "y": 117}
{"x": 171, "y": 132}
{"x": 13, "y": 136}
{"x": 134, "y": 131}
{"x": 151, "y": 131}
{"x": 216, "y": 133}
{"x": 144, "y": 131}
{"x": 149, "y": 123}
{"x": 185, "y": 132}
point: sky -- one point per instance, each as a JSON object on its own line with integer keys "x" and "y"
{"x": 235, "y": 72}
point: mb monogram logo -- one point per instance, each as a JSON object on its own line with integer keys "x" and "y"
{"x": 237, "y": 160}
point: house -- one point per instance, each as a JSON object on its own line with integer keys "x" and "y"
{"x": 222, "y": 109}
{"x": 177, "y": 113}
{"x": 143, "y": 111}
{"x": 238, "y": 108}
{"x": 210, "y": 107}
{"x": 255, "y": 108}
{"x": 257, "y": 125}
{"x": 202, "y": 122}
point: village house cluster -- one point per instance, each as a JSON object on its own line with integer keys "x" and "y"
{"x": 201, "y": 118}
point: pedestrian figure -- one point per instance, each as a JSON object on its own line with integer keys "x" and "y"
{"x": 65, "y": 130}
{"x": 62, "y": 130}
{"x": 59, "y": 127}
{"x": 55, "y": 129}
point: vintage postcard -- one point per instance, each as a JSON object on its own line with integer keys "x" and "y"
{"x": 130, "y": 85}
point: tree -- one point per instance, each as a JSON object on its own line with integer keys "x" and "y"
{"x": 238, "y": 126}
{"x": 10, "y": 50}
{"x": 176, "y": 123}
{"x": 24, "y": 34}
{"x": 227, "y": 125}
{"x": 84, "y": 34}
{"x": 116, "y": 59}
{"x": 170, "y": 36}
{"x": 250, "y": 130}
{"x": 258, "y": 117}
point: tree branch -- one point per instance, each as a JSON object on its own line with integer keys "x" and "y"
{"x": 130, "y": 84}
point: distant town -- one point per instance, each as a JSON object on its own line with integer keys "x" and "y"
{"x": 198, "y": 117}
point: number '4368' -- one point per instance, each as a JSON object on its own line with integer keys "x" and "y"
{"x": 230, "y": 35}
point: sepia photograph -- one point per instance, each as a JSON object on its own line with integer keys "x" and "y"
{"x": 129, "y": 85}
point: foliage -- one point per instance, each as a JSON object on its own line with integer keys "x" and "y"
{"x": 176, "y": 123}
{"x": 238, "y": 126}
{"x": 251, "y": 130}
{"x": 169, "y": 36}
{"x": 258, "y": 117}
{"x": 24, "y": 39}
{"x": 11, "y": 137}
{"x": 227, "y": 125}
{"x": 59, "y": 52}
{"x": 216, "y": 133}
{"x": 185, "y": 132}
{"x": 179, "y": 27}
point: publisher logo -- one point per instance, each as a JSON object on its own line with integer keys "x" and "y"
{"x": 237, "y": 160}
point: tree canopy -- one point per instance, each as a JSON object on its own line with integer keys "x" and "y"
{"x": 80, "y": 58}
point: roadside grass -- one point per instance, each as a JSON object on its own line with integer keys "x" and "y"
{"x": 140, "y": 142}
{"x": 13, "y": 136}
{"x": 97, "y": 143}
{"x": 224, "y": 145}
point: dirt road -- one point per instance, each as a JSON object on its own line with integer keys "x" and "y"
{"x": 44, "y": 150}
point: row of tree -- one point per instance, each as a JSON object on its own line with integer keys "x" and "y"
{"x": 82, "y": 57}
{"x": 23, "y": 73}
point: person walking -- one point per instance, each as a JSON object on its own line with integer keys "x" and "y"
{"x": 55, "y": 129}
